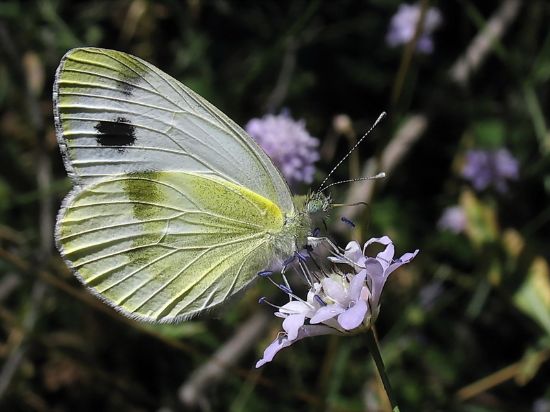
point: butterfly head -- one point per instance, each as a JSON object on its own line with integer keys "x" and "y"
{"x": 318, "y": 203}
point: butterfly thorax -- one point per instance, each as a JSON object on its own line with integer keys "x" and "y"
{"x": 297, "y": 226}
{"x": 294, "y": 231}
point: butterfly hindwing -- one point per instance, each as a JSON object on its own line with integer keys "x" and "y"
{"x": 167, "y": 245}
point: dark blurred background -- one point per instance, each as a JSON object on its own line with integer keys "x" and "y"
{"x": 464, "y": 327}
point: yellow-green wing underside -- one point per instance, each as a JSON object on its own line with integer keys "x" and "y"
{"x": 175, "y": 207}
{"x": 166, "y": 245}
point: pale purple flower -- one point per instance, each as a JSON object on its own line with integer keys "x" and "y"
{"x": 338, "y": 303}
{"x": 378, "y": 268}
{"x": 403, "y": 26}
{"x": 484, "y": 168}
{"x": 453, "y": 219}
{"x": 288, "y": 144}
{"x": 295, "y": 313}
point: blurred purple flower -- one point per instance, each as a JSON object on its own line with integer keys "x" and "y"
{"x": 453, "y": 219}
{"x": 288, "y": 144}
{"x": 484, "y": 168}
{"x": 403, "y": 26}
{"x": 338, "y": 303}
{"x": 429, "y": 294}
{"x": 541, "y": 405}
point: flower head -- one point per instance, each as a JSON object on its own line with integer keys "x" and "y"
{"x": 453, "y": 219}
{"x": 403, "y": 26}
{"x": 378, "y": 268}
{"x": 287, "y": 142}
{"x": 338, "y": 303}
{"x": 484, "y": 168}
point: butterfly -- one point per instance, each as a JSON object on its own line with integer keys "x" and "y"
{"x": 174, "y": 207}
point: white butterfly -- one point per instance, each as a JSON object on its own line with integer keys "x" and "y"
{"x": 174, "y": 207}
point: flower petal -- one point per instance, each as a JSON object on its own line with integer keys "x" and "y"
{"x": 354, "y": 253}
{"x": 386, "y": 256}
{"x": 292, "y": 323}
{"x": 374, "y": 268}
{"x": 406, "y": 258}
{"x": 326, "y": 312}
{"x": 365, "y": 294}
{"x": 273, "y": 348}
{"x": 353, "y": 256}
{"x": 384, "y": 240}
{"x": 354, "y": 316}
{"x": 356, "y": 284}
{"x": 334, "y": 290}
{"x": 376, "y": 279}
{"x": 283, "y": 341}
{"x": 294, "y": 306}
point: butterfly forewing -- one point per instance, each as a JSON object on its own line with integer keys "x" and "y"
{"x": 116, "y": 113}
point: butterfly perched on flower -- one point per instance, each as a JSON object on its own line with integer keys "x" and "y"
{"x": 174, "y": 207}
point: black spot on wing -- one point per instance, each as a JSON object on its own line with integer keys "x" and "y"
{"x": 116, "y": 133}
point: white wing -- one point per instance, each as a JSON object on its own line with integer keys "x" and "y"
{"x": 117, "y": 114}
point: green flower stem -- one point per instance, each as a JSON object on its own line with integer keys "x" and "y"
{"x": 372, "y": 344}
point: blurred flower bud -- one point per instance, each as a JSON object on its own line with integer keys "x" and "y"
{"x": 342, "y": 124}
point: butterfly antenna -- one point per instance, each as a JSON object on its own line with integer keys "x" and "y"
{"x": 322, "y": 187}
{"x": 378, "y": 176}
